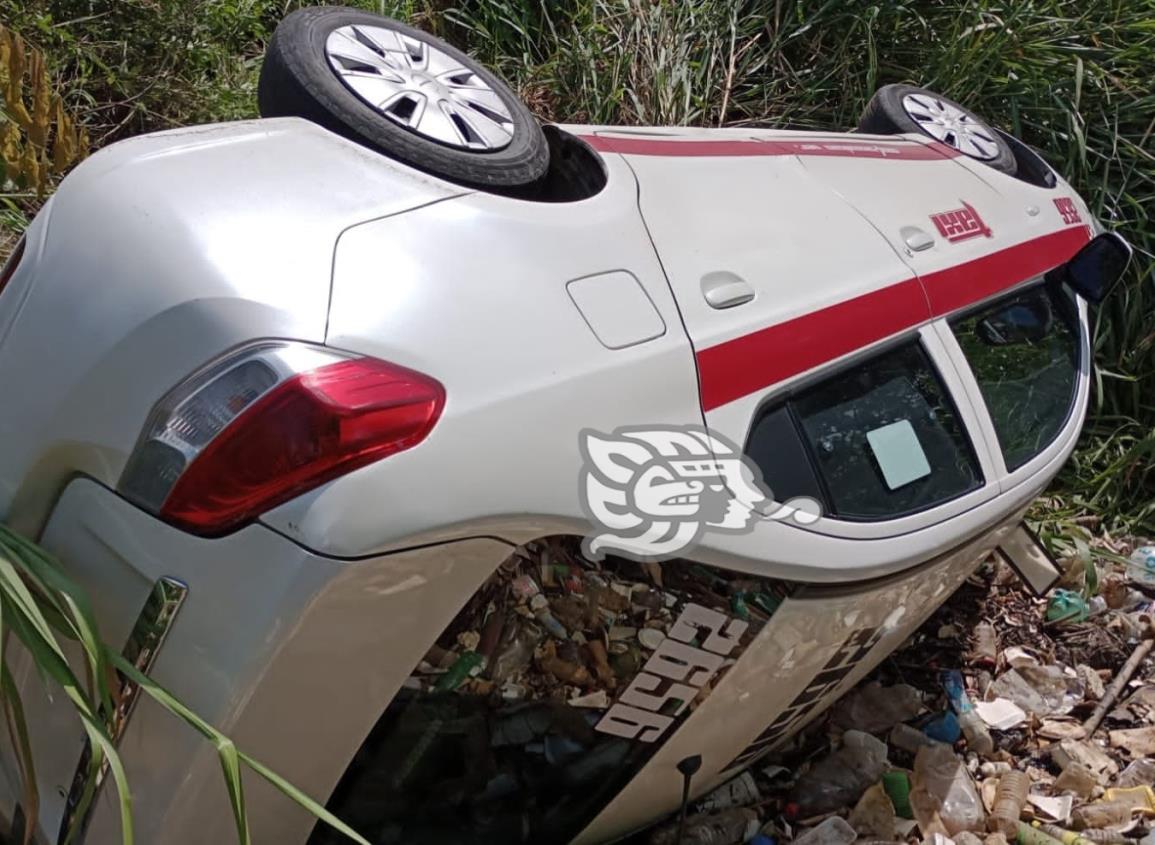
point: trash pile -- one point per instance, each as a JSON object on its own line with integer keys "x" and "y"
{"x": 1005, "y": 719}
{"x": 553, "y": 625}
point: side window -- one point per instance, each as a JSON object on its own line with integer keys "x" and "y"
{"x": 877, "y": 441}
{"x": 1024, "y": 353}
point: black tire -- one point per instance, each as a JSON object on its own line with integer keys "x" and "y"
{"x": 298, "y": 81}
{"x": 885, "y": 114}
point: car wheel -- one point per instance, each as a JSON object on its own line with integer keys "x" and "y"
{"x": 904, "y": 108}
{"x": 403, "y": 92}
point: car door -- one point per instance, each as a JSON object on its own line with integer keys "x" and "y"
{"x": 781, "y": 280}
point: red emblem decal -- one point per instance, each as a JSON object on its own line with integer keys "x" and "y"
{"x": 960, "y": 224}
{"x": 1068, "y": 211}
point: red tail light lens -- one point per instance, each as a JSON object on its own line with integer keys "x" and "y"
{"x": 244, "y": 440}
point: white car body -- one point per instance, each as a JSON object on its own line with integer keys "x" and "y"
{"x": 541, "y": 320}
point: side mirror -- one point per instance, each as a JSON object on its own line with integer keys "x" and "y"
{"x": 1097, "y": 267}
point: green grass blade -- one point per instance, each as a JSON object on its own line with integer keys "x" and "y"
{"x": 174, "y": 706}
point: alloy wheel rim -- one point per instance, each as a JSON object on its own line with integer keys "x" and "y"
{"x": 420, "y": 87}
{"x": 952, "y": 126}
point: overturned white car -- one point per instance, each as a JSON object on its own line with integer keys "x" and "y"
{"x": 320, "y": 408}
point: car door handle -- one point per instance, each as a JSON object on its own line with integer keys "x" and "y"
{"x": 724, "y": 289}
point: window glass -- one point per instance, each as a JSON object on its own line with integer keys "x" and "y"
{"x": 882, "y": 439}
{"x": 1024, "y": 352}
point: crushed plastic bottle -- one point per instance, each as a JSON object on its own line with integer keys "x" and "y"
{"x": 1139, "y": 772}
{"x": 942, "y": 794}
{"x": 1066, "y": 606}
{"x": 975, "y": 730}
{"x": 1009, "y": 800}
{"x": 1142, "y": 564}
{"x": 1101, "y": 814}
{"x": 874, "y": 814}
{"x": 514, "y": 652}
{"x": 729, "y": 827}
{"x": 874, "y": 708}
{"x": 833, "y": 831}
{"x": 840, "y": 779}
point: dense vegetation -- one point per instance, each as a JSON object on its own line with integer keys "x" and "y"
{"x": 1075, "y": 79}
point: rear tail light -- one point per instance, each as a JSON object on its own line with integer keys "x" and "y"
{"x": 11, "y": 264}
{"x": 267, "y": 423}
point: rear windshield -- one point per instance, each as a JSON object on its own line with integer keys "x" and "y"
{"x": 1024, "y": 352}
{"x": 877, "y": 441}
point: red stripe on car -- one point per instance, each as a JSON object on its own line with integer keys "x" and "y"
{"x": 897, "y": 150}
{"x": 752, "y": 362}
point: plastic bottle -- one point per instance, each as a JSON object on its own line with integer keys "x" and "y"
{"x": 897, "y": 786}
{"x": 986, "y": 649}
{"x": 1101, "y": 814}
{"x": 728, "y": 827}
{"x": 833, "y": 831}
{"x": 469, "y": 664}
{"x": 973, "y": 727}
{"x": 908, "y": 738}
{"x": 1067, "y": 837}
{"x": 1009, "y": 800}
{"x": 1104, "y": 836}
{"x": 1027, "y": 835}
{"x": 840, "y": 779}
{"x": 540, "y": 607}
{"x": 942, "y": 794}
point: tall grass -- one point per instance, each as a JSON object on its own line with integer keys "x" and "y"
{"x": 52, "y": 617}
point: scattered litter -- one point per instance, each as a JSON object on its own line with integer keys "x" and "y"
{"x": 874, "y": 814}
{"x": 840, "y": 779}
{"x": 943, "y": 727}
{"x": 1138, "y": 773}
{"x": 1056, "y": 808}
{"x": 1101, "y": 814}
{"x": 1005, "y": 720}
{"x": 728, "y": 827}
{"x": 1016, "y": 657}
{"x": 973, "y": 728}
{"x": 1001, "y": 714}
{"x": 1077, "y": 779}
{"x": 1009, "y": 801}
{"x": 739, "y": 792}
{"x": 1141, "y": 798}
{"x": 874, "y": 708}
{"x": 1139, "y": 742}
{"x": 833, "y": 831}
{"x": 1089, "y": 756}
{"x": 942, "y": 794}
{"x": 1061, "y": 729}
